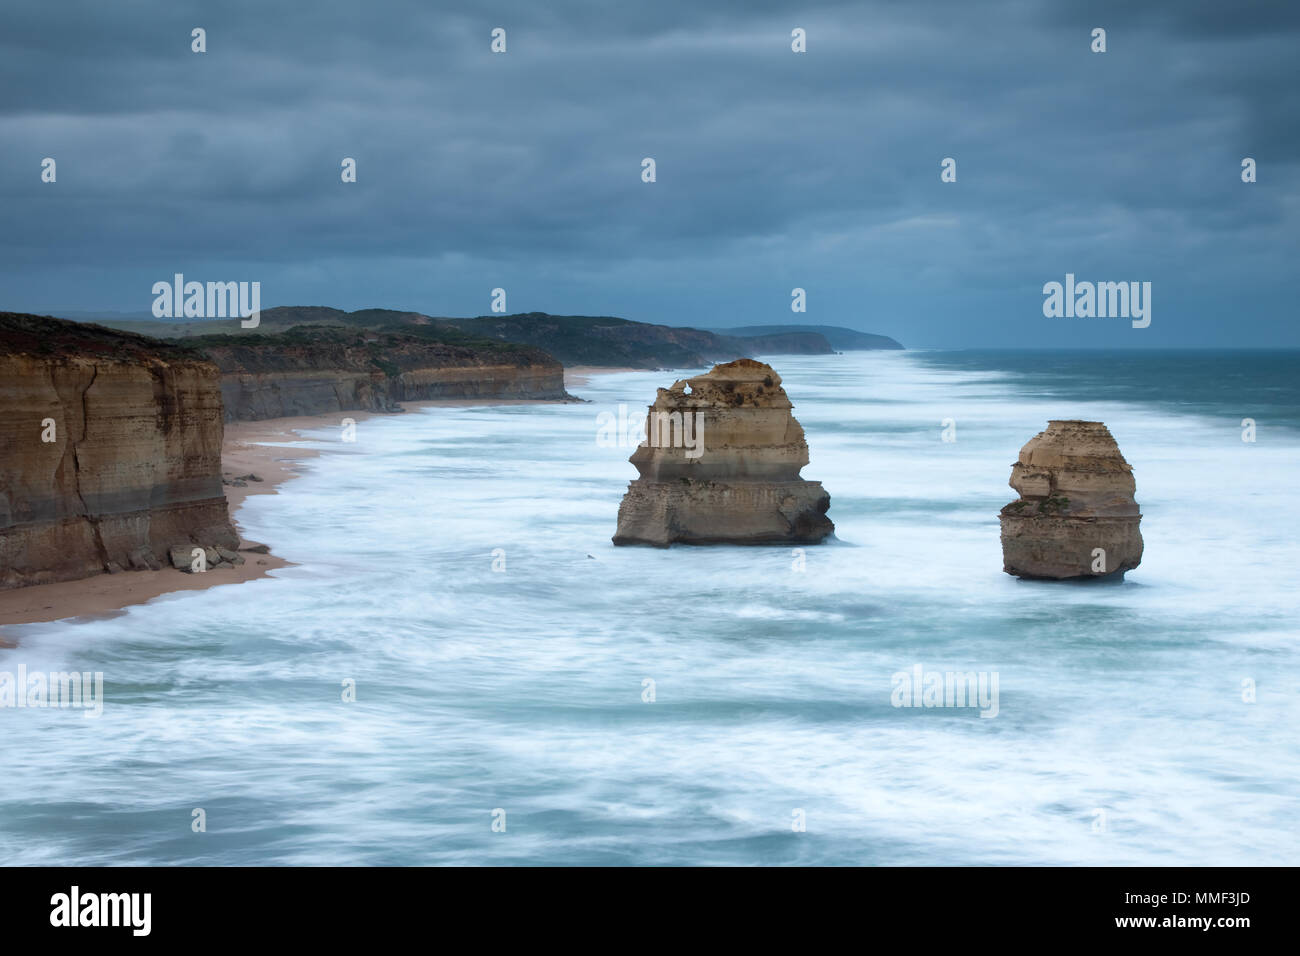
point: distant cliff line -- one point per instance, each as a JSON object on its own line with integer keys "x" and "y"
{"x": 600, "y": 341}
{"x": 840, "y": 338}
{"x": 310, "y": 370}
{"x": 112, "y": 441}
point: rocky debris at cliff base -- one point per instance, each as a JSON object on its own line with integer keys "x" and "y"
{"x": 721, "y": 466}
{"x": 1076, "y": 517}
{"x": 238, "y": 481}
{"x": 216, "y": 557}
{"x": 143, "y": 559}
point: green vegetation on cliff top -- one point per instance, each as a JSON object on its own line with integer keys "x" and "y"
{"x": 572, "y": 339}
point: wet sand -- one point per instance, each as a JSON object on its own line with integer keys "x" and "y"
{"x": 579, "y": 375}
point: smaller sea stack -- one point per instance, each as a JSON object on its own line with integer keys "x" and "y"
{"x": 1076, "y": 517}
{"x": 720, "y": 465}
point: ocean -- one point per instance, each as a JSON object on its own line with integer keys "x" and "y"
{"x": 525, "y": 693}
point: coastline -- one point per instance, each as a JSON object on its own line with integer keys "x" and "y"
{"x": 579, "y": 375}
{"x": 258, "y": 448}
{"x": 107, "y": 595}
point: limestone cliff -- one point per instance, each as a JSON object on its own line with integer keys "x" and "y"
{"x": 311, "y": 371}
{"x": 721, "y": 466}
{"x": 112, "y": 451}
{"x": 1076, "y": 516}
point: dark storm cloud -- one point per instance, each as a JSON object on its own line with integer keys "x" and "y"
{"x": 523, "y": 170}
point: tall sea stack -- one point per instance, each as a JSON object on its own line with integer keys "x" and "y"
{"x": 1076, "y": 517}
{"x": 721, "y": 466}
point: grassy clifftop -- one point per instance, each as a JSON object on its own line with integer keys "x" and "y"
{"x": 600, "y": 340}
{"x": 353, "y": 349}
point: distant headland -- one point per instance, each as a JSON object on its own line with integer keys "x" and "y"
{"x": 598, "y": 341}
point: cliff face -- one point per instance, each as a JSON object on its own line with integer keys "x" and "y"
{"x": 1076, "y": 516}
{"x": 321, "y": 370}
{"x": 112, "y": 451}
{"x": 721, "y": 466}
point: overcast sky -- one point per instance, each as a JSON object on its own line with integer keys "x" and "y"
{"x": 775, "y": 169}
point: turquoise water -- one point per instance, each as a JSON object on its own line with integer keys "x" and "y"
{"x": 1121, "y": 734}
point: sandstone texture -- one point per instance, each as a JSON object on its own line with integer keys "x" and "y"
{"x": 721, "y": 466}
{"x": 1076, "y": 496}
{"x": 112, "y": 451}
{"x": 314, "y": 371}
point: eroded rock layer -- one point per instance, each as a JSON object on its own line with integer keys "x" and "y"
{"x": 317, "y": 371}
{"x": 721, "y": 466}
{"x": 111, "y": 445}
{"x": 1076, "y": 516}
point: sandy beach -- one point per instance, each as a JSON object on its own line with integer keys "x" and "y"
{"x": 107, "y": 594}
{"x": 580, "y": 375}
{"x": 256, "y": 448}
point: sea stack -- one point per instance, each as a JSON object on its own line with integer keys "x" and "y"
{"x": 720, "y": 465}
{"x": 1076, "y": 517}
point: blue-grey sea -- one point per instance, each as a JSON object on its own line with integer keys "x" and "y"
{"x": 525, "y": 693}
